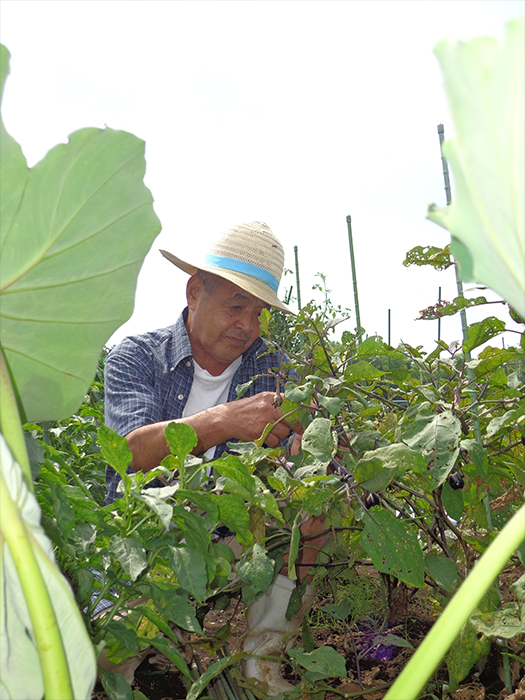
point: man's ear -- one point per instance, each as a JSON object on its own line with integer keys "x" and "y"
{"x": 194, "y": 287}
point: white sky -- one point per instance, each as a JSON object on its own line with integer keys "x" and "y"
{"x": 295, "y": 113}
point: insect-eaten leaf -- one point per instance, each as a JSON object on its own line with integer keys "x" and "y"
{"x": 394, "y": 549}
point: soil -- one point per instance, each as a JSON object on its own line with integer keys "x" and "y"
{"x": 370, "y": 671}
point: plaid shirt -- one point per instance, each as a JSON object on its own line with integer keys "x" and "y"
{"x": 148, "y": 379}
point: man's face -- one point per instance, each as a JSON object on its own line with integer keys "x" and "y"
{"x": 221, "y": 324}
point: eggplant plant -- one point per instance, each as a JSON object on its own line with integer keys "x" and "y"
{"x": 484, "y": 83}
{"x": 74, "y": 231}
{"x": 390, "y": 456}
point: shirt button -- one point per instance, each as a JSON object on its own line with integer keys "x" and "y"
{"x": 180, "y": 397}
{"x": 171, "y": 369}
{"x": 188, "y": 364}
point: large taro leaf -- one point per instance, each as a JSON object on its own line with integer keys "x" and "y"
{"x": 34, "y": 599}
{"x": 74, "y": 231}
{"x": 484, "y": 84}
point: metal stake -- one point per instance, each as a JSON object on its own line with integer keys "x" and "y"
{"x": 473, "y": 394}
{"x": 354, "y": 278}
{"x": 439, "y": 319}
{"x": 297, "y": 277}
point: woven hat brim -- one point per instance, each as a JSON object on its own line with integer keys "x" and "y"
{"x": 247, "y": 282}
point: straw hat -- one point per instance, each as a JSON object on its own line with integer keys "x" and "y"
{"x": 248, "y": 255}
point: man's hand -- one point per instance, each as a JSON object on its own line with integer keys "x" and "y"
{"x": 244, "y": 420}
{"x": 251, "y": 415}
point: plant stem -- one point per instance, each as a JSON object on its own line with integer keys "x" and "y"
{"x": 11, "y": 424}
{"x": 53, "y": 662}
{"x": 435, "y": 645}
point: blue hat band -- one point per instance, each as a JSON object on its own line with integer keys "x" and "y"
{"x": 244, "y": 267}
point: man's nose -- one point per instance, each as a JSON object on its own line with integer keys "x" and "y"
{"x": 245, "y": 321}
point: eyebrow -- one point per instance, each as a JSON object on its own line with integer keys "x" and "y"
{"x": 239, "y": 296}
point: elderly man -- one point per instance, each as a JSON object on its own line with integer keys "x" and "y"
{"x": 189, "y": 372}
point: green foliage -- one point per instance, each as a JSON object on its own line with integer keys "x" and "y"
{"x": 484, "y": 84}
{"x": 73, "y": 234}
{"x": 83, "y": 209}
{"x": 36, "y": 628}
{"x": 438, "y": 258}
{"x": 395, "y": 423}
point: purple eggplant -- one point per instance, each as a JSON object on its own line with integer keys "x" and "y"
{"x": 372, "y": 500}
{"x": 455, "y": 481}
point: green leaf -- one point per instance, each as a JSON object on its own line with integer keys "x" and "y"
{"x": 115, "y": 450}
{"x": 392, "y": 640}
{"x": 190, "y": 569}
{"x": 375, "y": 347}
{"x": 507, "y": 420}
{"x": 130, "y": 553}
{"x": 204, "y": 501}
{"x": 319, "y": 440}
{"x": 266, "y": 501}
{"x": 444, "y": 308}
{"x": 307, "y": 636}
{"x": 195, "y": 530}
{"x": 491, "y": 359}
{"x": 256, "y": 569}
{"x": 506, "y": 623}
{"x": 331, "y": 403}
{"x": 85, "y": 534}
{"x": 464, "y": 652}
{"x": 484, "y": 84}
{"x": 155, "y": 498}
{"x": 437, "y": 438}
{"x": 479, "y": 333}
{"x": 234, "y": 470}
{"x": 125, "y": 635}
{"x": 299, "y": 394}
{"x": 41, "y": 629}
{"x": 443, "y": 570}
{"x": 241, "y": 389}
{"x": 13, "y": 165}
{"x": 519, "y": 590}
{"x": 438, "y": 258}
{"x": 362, "y": 371}
{"x": 294, "y": 547}
{"x": 453, "y": 501}
{"x": 323, "y": 662}
{"x": 172, "y": 654}
{"x": 296, "y": 599}
{"x": 116, "y": 686}
{"x": 478, "y": 455}
{"x": 175, "y": 607}
{"x": 181, "y": 439}
{"x": 393, "y": 548}
{"x": 234, "y": 514}
{"x": 212, "y": 672}
{"x": 378, "y": 467}
{"x": 78, "y": 226}
{"x": 373, "y": 475}
{"x": 339, "y": 611}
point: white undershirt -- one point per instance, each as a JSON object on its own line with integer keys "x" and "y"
{"x": 207, "y": 391}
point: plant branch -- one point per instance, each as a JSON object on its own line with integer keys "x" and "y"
{"x": 53, "y": 662}
{"x": 10, "y": 423}
{"x": 435, "y": 645}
